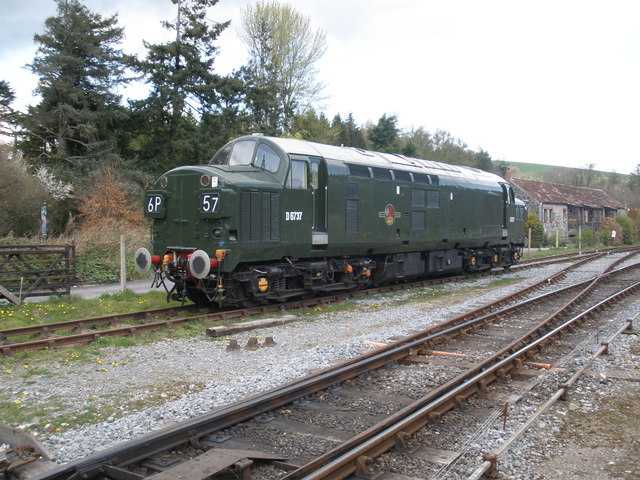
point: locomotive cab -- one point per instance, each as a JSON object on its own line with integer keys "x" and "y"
{"x": 252, "y": 203}
{"x": 300, "y": 182}
{"x": 249, "y": 152}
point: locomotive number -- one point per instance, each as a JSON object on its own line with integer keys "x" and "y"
{"x": 153, "y": 204}
{"x": 292, "y": 216}
{"x": 209, "y": 202}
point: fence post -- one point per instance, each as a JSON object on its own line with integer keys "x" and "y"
{"x": 123, "y": 265}
{"x": 10, "y": 296}
{"x": 44, "y": 229}
{"x": 580, "y": 238}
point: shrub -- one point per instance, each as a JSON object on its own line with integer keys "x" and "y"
{"x": 107, "y": 198}
{"x": 534, "y": 224}
{"x": 628, "y": 235}
{"x": 98, "y": 250}
{"x": 587, "y": 238}
{"x": 21, "y": 196}
{"x": 633, "y": 218}
{"x": 605, "y": 232}
{"x": 106, "y": 211}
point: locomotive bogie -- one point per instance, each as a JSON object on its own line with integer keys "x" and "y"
{"x": 273, "y": 218}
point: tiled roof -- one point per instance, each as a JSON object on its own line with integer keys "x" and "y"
{"x": 565, "y": 194}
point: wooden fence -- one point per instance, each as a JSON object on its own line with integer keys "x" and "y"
{"x": 36, "y": 270}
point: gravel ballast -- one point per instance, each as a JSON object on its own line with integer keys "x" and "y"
{"x": 151, "y": 386}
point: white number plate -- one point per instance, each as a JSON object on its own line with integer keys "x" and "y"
{"x": 154, "y": 203}
{"x": 292, "y": 216}
{"x": 209, "y": 202}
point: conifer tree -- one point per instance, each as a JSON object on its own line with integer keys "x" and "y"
{"x": 7, "y": 114}
{"x": 384, "y": 135}
{"x": 79, "y": 66}
{"x": 184, "y": 87}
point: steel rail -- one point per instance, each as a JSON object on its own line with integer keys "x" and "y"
{"x": 490, "y": 461}
{"x": 46, "y": 329}
{"x": 569, "y": 256}
{"x": 356, "y": 454}
{"x": 49, "y": 341}
{"x": 191, "y": 430}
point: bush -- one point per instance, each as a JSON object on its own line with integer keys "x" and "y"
{"x": 21, "y": 197}
{"x": 634, "y": 215}
{"x": 98, "y": 250}
{"x": 108, "y": 210}
{"x": 604, "y": 234}
{"x": 533, "y": 223}
{"x": 587, "y": 238}
{"x": 627, "y": 225}
{"x": 110, "y": 197}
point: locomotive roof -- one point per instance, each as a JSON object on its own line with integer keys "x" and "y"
{"x": 354, "y": 155}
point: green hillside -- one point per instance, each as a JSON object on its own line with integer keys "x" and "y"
{"x": 551, "y": 173}
{"x": 617, "y": 185}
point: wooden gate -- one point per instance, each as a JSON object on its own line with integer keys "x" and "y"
{"x": 36, "y": 270}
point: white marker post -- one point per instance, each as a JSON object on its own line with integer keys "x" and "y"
{"x": 123, "y": 265}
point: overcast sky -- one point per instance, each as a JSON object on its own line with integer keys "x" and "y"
{"x": 550, "y": 81}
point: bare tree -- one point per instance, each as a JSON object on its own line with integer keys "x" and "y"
{"x": 283, "y": 51}
{"x": 585, "y": 176}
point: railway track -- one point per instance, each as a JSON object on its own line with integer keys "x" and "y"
{"x": 82, "y": 331}
{"x": 337, "y": 422}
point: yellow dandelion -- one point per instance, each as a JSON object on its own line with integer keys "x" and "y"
{"x": 7, "y": 372}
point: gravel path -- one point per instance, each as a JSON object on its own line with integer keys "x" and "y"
{"x": 147, "y": 387}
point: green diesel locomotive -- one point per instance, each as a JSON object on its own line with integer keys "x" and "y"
{"x": 274, "y": 218}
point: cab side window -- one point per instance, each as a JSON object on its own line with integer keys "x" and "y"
{"x": 267, "y": 159}
{"x": 297, "y": 177}
{"x": 314, "y": 175}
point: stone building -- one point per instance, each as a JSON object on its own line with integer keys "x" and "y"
{"x": 565, "y": 209}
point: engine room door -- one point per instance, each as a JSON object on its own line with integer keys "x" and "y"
{"x": 508, "y": 199}
{"x": 319, "y": 186}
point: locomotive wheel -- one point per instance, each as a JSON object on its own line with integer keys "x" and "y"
{"x": 198, "y": 297}
{"x": 241, "y": 298}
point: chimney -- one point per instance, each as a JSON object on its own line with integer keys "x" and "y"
{"x": 507, "y": 175}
